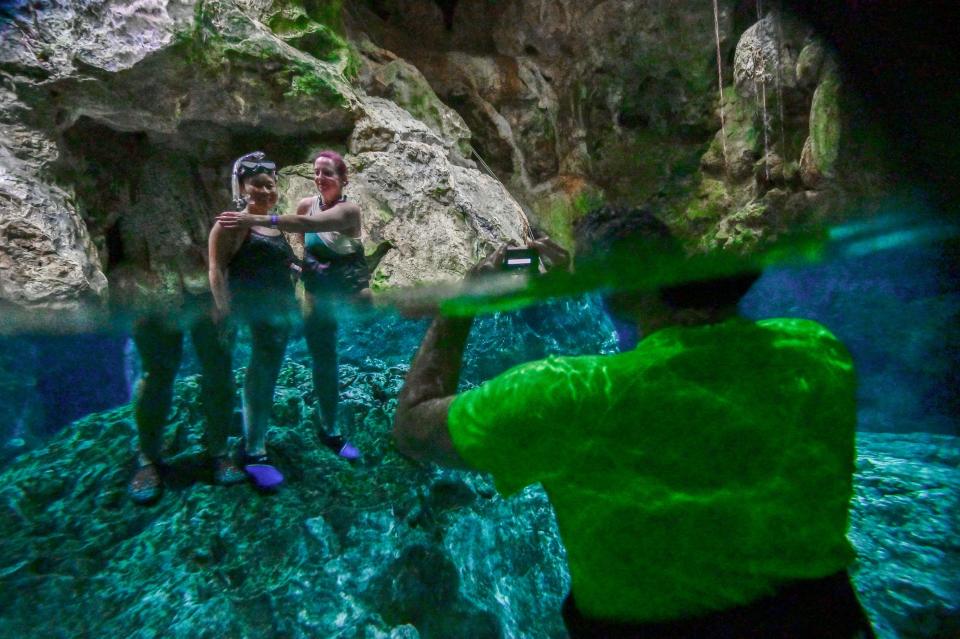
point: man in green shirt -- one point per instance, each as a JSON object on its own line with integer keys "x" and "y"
{"x": 701, "y": 481}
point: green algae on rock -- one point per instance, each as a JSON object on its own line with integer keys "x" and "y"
{"x": 316, "y": 558}
{"x": 825, "y": 130}
{"x": 313, "y": 27}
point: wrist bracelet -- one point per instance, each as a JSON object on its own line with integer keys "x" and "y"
{"x": 273, "y": 220}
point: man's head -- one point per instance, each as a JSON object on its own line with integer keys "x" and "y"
{"x": 633, "y": 241}
{"x": 611, "y": 228}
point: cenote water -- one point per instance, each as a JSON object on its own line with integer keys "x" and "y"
{"x": 345, "y": 538}
{"x": 810, "y": 144}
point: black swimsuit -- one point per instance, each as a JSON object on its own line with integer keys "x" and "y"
{"x": 259, "y": 276}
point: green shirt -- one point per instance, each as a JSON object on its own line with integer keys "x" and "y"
{"x": 692, "y": 474}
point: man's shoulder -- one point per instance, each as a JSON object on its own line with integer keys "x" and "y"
{"x": 555, "y": 366}
{"x": 809, "y": 340}
{"x": 552, "y": 378}
{"x": 795, "y": 329}
{"x": 797, "y": 326}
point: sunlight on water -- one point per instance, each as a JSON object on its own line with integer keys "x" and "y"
{"x": 892, "y": 230}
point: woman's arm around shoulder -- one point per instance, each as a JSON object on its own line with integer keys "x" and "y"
{"x": 343, "y": 217}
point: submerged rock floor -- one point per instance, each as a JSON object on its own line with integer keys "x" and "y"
{"x": 379, "y": 549}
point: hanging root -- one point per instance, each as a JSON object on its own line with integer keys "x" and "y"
{"x": 723, "y": 128}
{"x": 783, "y": 137}
{"x": 763, "y": 91}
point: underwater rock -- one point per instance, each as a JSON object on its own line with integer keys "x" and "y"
{"x": 383, "y": 548}
{"x": 904, "y": 524}
{"x": 339, "y": 549}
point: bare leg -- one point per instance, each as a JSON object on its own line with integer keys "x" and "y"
{"x": 269, "y": 342}
{"x": 213, "y": 344}
{"x": 160, "y": 348}
{"x": 320, "y": 330}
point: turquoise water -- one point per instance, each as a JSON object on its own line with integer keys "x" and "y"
{"x": 888, "y": 287}
{"x": 389, "y": 547}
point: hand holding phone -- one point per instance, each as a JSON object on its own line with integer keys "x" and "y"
{"x": 521, "y": 259}
{"x": 552, "y": 254}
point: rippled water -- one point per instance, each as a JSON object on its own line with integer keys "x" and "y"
{"x": 888, "y": 287}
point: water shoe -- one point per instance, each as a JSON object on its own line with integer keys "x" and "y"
{"x": 146, "y": 485}
{"x": 226, "y": 472}
{"x": 340, "y": 445}
{"x": 263, "y": 475}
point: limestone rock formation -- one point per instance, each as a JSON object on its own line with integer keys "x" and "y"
{"x": 47, "y": 257}
{"x": 903, "y": 524}
{"x": 788, "y": 154}
{"x": 388, "y": 76}
{"x": 765, "y": 60}
{"x": 821, "y": 150}
{"x": 137, "y": 122}
{"x": 132, "y": 103}
{"x": 567, "y": 101}
{"x": 136, "y": 110}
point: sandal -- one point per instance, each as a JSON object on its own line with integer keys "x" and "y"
{"x": 263, "y": 474}
{"x": 146, "y": 485}
{"x": 341, "y": 446}
{"x": 226, "y": 472}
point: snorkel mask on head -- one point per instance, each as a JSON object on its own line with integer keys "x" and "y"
{"x": 245, "y": 166}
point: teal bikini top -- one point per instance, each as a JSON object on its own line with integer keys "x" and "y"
{"x": 327, "y": 245}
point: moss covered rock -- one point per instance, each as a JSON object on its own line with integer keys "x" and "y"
{"x": 825, "y": 125}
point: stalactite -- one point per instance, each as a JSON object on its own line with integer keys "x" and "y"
{"x": 762, "y": 67}
{"x": 779, "y": 22}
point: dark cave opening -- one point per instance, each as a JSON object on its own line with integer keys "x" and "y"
{"x": 102, "y": 164}
{"x": 112, "y": 171}
{"x": 114, "y": 245}
{"x": 448, "y": 7}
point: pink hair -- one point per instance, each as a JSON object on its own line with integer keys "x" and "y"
{"x": 338, "y": 163}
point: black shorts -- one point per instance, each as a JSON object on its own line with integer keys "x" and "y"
{"x": 344, "y": 275}
{"x": 825, "y": 608}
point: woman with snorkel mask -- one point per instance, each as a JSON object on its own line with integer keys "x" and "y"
{"x": 251, "y": 279}
{"x": 334, "y": 270}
